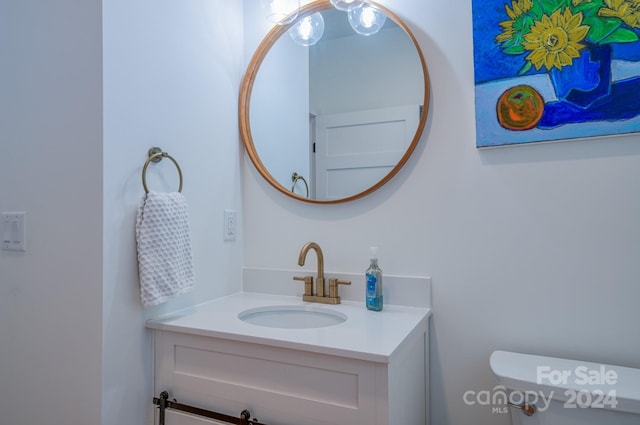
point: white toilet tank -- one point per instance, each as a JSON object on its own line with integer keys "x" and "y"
{"x": 568, "y": 392}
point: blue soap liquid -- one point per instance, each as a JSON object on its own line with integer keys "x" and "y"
{"x": 373, "y": 298}
{"x": 374, "y": 303}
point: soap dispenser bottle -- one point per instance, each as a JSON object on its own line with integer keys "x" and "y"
{"x": 373, "y": 274}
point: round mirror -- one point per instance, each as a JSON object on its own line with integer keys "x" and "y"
{"x": 335, "y": 117}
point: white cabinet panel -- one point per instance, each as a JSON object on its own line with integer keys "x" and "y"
{"x": 286, "y": 387}
{"x": 178, "y": 418}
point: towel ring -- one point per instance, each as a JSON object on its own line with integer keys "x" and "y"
{"x": 155, "y": 155}
{"x": 294, "y": 179}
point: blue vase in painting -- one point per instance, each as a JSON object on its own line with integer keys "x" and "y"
{"x": 587, "y": 79}
{"x": 586, "y": 92}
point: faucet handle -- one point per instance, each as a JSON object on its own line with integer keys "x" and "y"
{"x": 333, "y": 287}
{"x": 308, "y": 283}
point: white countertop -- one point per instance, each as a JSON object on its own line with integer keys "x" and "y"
{"x": 365, "y": 335}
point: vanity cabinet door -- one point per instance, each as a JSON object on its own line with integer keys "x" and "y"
{"x": 178, "y": 418}
{"x": 278, "y": 386}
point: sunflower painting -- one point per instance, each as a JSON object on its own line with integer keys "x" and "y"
{"x": 555, "y": 69}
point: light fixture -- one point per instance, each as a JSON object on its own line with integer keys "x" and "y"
{"x": 366, "y": 20}
{"x": 308, "y": 30}
{"x": 347, "y": 5}
{"x": 280, "y": 12}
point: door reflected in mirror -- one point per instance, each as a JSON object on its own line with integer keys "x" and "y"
{"x": 334, "y": 121}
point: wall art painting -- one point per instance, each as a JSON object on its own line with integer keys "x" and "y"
{"x": 549, "y": 70}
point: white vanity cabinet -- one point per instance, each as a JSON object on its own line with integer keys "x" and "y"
{"x": 295, "y": 376}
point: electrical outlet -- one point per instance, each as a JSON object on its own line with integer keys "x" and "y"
{"x": 229, "y": 226}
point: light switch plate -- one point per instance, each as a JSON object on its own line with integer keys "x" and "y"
{"x": 13, "y": 231}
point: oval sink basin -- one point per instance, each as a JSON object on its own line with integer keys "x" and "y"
{"x": 292, "y": 317}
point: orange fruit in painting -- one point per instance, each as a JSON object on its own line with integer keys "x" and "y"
{"x": 520, "y": 108}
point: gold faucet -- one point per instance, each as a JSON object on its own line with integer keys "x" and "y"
{"x": 319, "y": 295}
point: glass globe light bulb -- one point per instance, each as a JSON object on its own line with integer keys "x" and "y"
{"x": 308, "y": 30}
{"x": 347, "y": 5}
{"x": 366, "y": 20}
{"x": 280, "y": 12}
{"x": 305, "y": 29}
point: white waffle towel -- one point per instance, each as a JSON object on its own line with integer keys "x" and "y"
{"x": 165, "y": 265}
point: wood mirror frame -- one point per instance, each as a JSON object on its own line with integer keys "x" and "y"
{"x": 245, "y": 100}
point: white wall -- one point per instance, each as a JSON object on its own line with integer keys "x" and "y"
{"x": 171, "y": 79}
{"x": 73, "y": 348}
{"x": 531, "y": 248}
{"x": 51, "y": 167}
{"x": 357, "y": 73}
{"x": 280, "y": 133}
